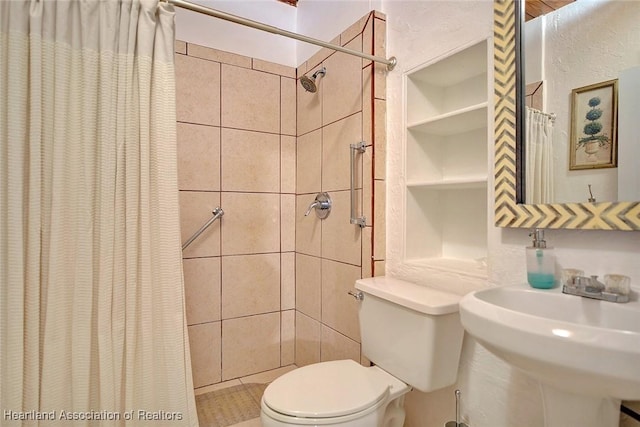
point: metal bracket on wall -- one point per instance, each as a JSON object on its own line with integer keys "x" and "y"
{"x": 360, "y": 147}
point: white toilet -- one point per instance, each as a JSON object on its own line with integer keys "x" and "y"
{"x": 413, "y": 335}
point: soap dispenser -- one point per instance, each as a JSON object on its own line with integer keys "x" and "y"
{"x": 541, "y": 262}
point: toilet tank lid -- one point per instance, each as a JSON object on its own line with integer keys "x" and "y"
{"x": 416, "y": 297}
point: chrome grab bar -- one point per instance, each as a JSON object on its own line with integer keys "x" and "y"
{"x": 217, "y": 213}
{"x": 360, "y": 147}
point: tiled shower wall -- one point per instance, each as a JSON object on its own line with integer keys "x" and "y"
{"x": 236, "y": 149}
{"x": 348, "y": 107}
{"x": 238, "y": 119}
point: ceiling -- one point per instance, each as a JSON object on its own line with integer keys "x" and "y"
{"x": 535, "y": 8}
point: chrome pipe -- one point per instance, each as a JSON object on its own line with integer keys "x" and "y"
{"x": 390, "y": 63}
{"x": 360, "y": 147}
{"x": 217, "y": 213}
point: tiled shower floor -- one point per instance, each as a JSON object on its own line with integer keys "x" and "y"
{"x": 234, "y": 403}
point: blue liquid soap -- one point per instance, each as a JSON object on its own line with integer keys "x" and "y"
{"x": 541, "y": 280}
{"x": 540, "y": 268}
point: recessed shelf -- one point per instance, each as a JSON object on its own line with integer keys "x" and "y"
{"x": 452, "y": 183}
{"x": 455, "y": 68}
{"x": 459, "y": 121}
{"x": 446, "y": 162}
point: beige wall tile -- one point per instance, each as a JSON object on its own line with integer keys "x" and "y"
{"x": 288, "y": 281}
{"x": 335, "y": 346}
{"x": 364, "y": 361}
{"x": 302, "y": 68}
{"x": 341, "y": 240}
{"x": 216, "y": 387}
{"x": 367, "y": 256}
{"x": 251, "y": 223}
{"x": 219, "y": 55}
{"x": 181, "y": 47}
{"x": 267, "y": 376}
{"x": 250, "y": 284}
{"x": 336, "y": 160}
{"x": 379, "y": 246}
{"x": 378, "y": 268}
{"x": 288, "y": 106}
{"x": 202, "y": 289}
{"x": 380, "y": 139}
{"x": 322, "y": 54}
{"x": 250, "y": 345}
{"x": 308, "y": 228}
{"x": 273, "y": 68}
{"x": 198, "y": 157}
{"x": 196, "y": 209}
{"x": 367, "y": 40}
{"x": 288, "y": 222}
{"x": 367, "y": 104}
{"x": 287, "y": 164}
{"x": 307, "y": 340}
{"x": 339, "y": 309}
{"x": 350, "y": 33}
{"x": 309, "y": 163}
{"x": 380, "y": 70}
{"x": 379, "y": 37}
{"x": 308, "y": 285}
{"x": 288, "y": 337}
{"x": 197, "y": 91}
{"x": 380, "y": 15}
{"x": 250, "y": 161}
{"x": 204, "y": 343}
{"x": 309, "y": 105}
{"x": 342, "y": 86}
{"x": 250, "y": 99}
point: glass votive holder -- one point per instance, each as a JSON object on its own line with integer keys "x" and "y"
{"x": 617, "y": 283}
{"x": 568, "y": 275}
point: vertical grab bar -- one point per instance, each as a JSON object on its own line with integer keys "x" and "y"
{"x": 360, "y": 147}
{"x": 217, "y": 213}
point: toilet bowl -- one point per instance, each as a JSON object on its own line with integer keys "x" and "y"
{"x": 334, "y": 393}
{"x": 411, "y": 333}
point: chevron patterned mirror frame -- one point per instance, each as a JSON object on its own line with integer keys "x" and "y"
{"x": 508, "y": 213}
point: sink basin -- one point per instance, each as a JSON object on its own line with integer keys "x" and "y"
{"x": 585, "y": 352}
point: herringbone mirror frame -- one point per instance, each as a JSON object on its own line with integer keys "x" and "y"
{"x": 584, "y": 216}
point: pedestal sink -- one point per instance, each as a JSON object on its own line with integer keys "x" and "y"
{"x": 584, "y": 352}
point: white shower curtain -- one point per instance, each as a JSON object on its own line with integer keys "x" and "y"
{"x": 93, "y": 328}
{"x": 539, "y": 157}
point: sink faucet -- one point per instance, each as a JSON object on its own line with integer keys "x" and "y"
{"x": 589, "y": 284}
{"x": 591, "y": 287}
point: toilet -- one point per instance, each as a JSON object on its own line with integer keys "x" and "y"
{"x": 413, "y": 336}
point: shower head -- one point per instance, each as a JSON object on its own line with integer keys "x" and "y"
{"x": 309, "y": 83}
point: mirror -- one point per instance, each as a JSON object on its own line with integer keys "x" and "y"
{"x": 571, "y": 56}
{"x": 605, "y": 215}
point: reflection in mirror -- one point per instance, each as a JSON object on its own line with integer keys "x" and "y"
{"x": 584, "y": 43}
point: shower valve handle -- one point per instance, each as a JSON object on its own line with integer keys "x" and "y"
{"x": 322, "y": 205}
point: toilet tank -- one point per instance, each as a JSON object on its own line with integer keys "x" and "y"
{"x": 411, "y": 331}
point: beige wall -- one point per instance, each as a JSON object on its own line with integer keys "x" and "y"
{"x": 331, "y": 254}
{"x": 236, "y": 148}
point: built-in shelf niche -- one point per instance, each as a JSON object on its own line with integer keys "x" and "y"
{"x": 446, "y": 160}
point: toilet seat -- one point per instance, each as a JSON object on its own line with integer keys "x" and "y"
{"x": 334, "y": 389}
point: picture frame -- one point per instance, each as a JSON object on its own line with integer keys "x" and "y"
{"x": 593, "y": 142}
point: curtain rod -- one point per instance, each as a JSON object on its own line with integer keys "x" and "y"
{"x": 390, "y": 63}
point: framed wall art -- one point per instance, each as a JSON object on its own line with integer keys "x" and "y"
{"x": 594, "y": 113}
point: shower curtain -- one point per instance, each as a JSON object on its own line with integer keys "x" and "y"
{"x": 539, "y": 157}
{"x": 93, "y": 328}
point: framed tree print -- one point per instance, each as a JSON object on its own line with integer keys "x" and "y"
{"x": 594, "y": 113}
